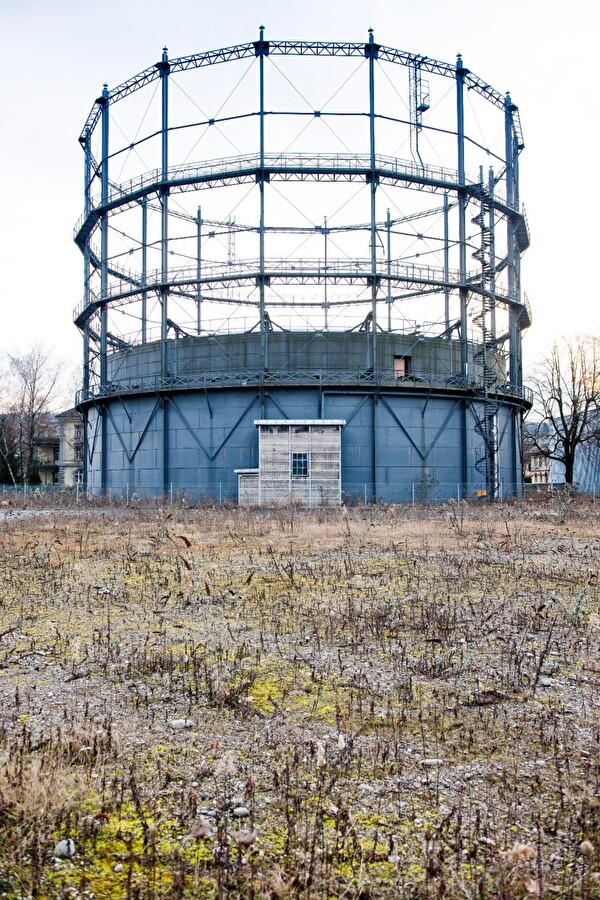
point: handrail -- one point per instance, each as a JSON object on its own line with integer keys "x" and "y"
{"x": 358, "y": 377}
{"x": 288, "y": 271}
{"x": 288, "y": 163}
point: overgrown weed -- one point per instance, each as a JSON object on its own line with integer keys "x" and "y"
{"x": 364, "y": 702}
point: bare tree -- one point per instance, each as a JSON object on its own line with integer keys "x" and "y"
{"x": 29, "y": 387}
{"x": 8, "y": 444}
{"x": 566, "y": 401}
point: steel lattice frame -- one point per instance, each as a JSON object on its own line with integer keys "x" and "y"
{"x": 482, "y": 301}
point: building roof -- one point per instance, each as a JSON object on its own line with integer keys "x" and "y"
{"x": 299, "y": 421}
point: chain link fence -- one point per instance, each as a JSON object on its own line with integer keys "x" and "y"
{"x": 417, "y": 493}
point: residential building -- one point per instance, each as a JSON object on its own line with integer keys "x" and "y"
{"x": 46, "y": 449}
{"x": 70, "y": 459}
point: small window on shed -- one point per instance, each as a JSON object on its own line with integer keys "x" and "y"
{"x": 401, "y": 366}
{"x": 299, "y": 463}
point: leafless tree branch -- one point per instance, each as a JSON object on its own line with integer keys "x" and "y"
{"x": 29, "y": 387}
{"x": 566, "y": 400}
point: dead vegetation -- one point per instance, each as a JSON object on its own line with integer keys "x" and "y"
{"x": 373, "y": 702}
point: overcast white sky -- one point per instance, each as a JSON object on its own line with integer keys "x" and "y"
{"x": 55, "y": 56}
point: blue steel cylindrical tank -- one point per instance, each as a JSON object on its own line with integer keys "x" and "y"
{"x": 292, "y": 230}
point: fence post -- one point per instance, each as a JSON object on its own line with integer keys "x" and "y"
{"x": 412, "y": 493}
{"x": 171, "y": 492}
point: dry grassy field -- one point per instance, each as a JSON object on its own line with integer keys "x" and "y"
{"x": 367, "y": 702}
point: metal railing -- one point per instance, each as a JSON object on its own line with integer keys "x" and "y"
{"x": 128, "y": 284}
{"x": 289, "y": 163}
{"x": 357, "y": 377}
{"x": 285, "y": 162}
{"x": 420, "y": 492}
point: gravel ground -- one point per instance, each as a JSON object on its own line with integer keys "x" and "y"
{"x": 369, "y": 702}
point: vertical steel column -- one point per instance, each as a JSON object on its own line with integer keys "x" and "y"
{"x": 513, "y": 318}
{"x": 86, "y": 299}
{"x": 85, "y": 385}
{"x": 388, "y": 225}
{"x": 164, "y": 69}
{"x": 325, "y": 303}
{"x": 164, "y": 200}
{"x": 199, "y": 271}
{"x": 462, "y": 211}
{"x": 86, "y": 264}
{"x": 446, "y": 266}
{"x": 488, "y": 262}
{"x": 261, "y": 49}
{"x": 517, "y": 263}
{"x": 517, "y": 253}
{"x": 144, "y": 202}
{"x": 102, "y": 412}
{"x": 104, "y": 102}
{"x": 371, "y": 53}
{"x": 461, "y": 72}
{"x": 510, "y": 235}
